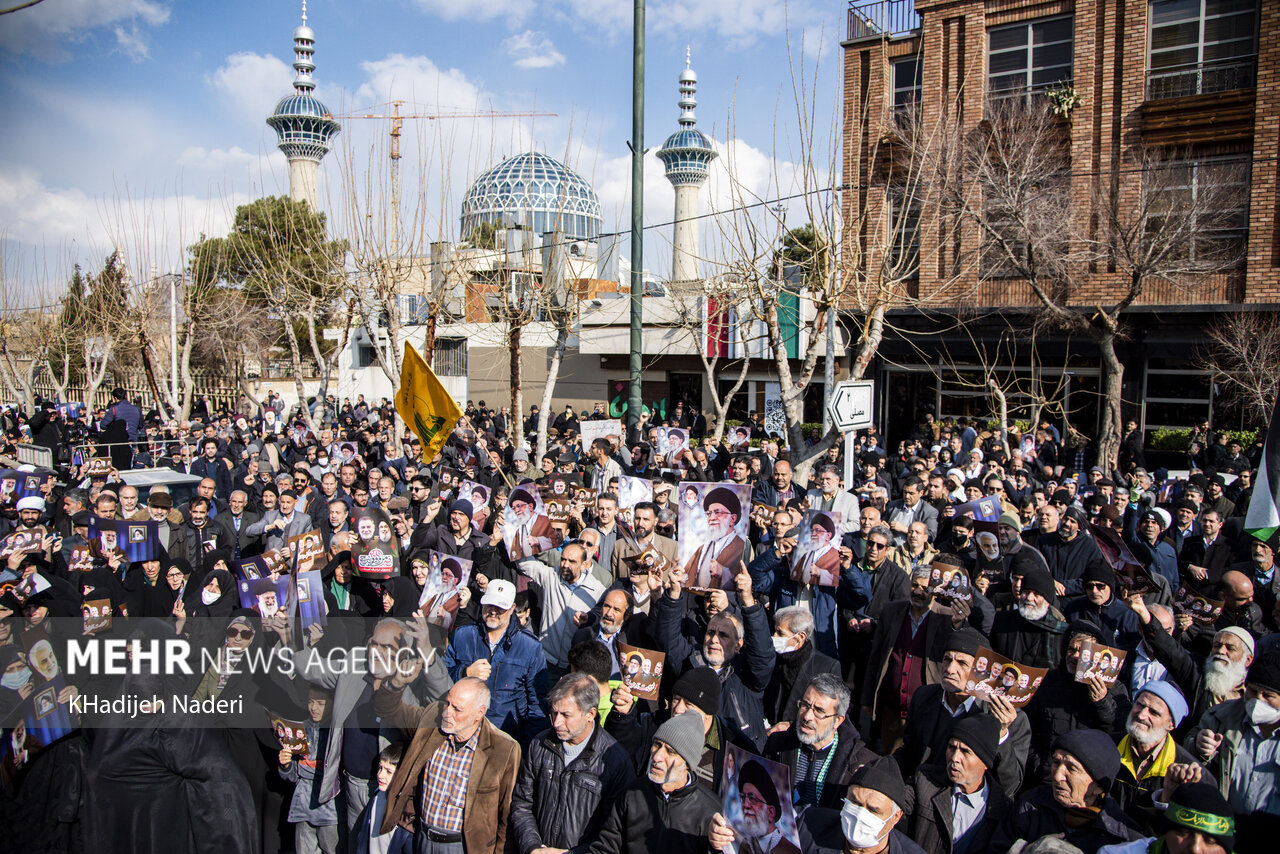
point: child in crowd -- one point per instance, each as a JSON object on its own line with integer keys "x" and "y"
{"x": 315, "y": 817}
{"x": 367, "y": 838}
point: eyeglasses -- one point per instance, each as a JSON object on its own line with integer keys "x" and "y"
{"x": 802, "y": 707}
{"x": 1096, "y": 585}
{"x": 874, "y": 546}
{"x": 239, "y": 634}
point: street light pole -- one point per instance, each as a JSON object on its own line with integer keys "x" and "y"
{"x": 634, "y": 398}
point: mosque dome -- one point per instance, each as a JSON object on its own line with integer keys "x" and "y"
{"x": 534, "y": 191}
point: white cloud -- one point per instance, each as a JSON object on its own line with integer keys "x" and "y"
{"x": 477, "y": 10}
{"x": 252, "y": 83}
{"x": 196, "y": 156}
{"x": 533, "y": 50}
{"x": 44, "y": 30}
{"x": 133, "y": 42}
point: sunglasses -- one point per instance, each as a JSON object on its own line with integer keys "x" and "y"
{"x": 239, "y": 634}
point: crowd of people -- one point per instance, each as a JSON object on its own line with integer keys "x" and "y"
{"x": 518, "y": 717}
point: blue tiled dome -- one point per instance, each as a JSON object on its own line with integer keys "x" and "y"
{"x": 686, "y": 138}
{"x": 534, "y": 191}
{"x": 304, "y": 125}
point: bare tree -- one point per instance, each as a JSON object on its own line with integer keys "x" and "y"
{"x": 1243, "y": 352}
{"x": 710, "y": 314}
{"x": 858, "y": 253}
{"x": 1163, "y": 221}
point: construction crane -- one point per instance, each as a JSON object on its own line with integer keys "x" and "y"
{"x": 397, "y": 122}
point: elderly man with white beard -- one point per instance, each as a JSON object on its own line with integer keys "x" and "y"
{"x": 1148, "y": 750}
{"x": 1220, "y": 677}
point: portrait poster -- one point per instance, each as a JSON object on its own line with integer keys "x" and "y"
{"x": 267, "y": 596}
{"x": 25, "y": 541}
{"x": 1099, "y": 660}
{"x": 133, "y": 541}
{"x": 447, "y": 485}
{"x": 632, "y": 491}
{"x": 376, "y": 551}
{"x": 526, "y": 527}
{"x": 290, "y": 734}
{"x": 97, "y": 615}
{"x": 81, "y": 560}
{"x": 305, "y": 552}
{"x": 585, "y": 495}
{"x": 610, "y": 429}
{"x": 558, "y": 505}
{"x": 41, "y": 657}
{"x": 98, "y": 467}
{"x": 816, "y": 558}
{"x": 641, "y": 670}
{"x": 1202, "y": 609}
{"x": 1131, "y": 572}
{"x": 27, "y": 587}
{"x": 985, "y": 513}
{"x": 481, "y": 498}
{"x": 756, "y": 803}
{"x": 447, "y": 577}
{"x": 762, "y": 514}
{"x": 994, "y": 675}
{"x": 738, "y": 438}
{"x": 45, "y": 719}
{"x": 9, "y": 487}
{"x": 672, "y": 443}
{"x": 650, "y": 560}
{"x": 30, "y": 484}
{"x": 310, "y": 597}
{"x": 714, "y": 525}
{"x": 948, "y": 584}
{"x": 265, "y": 565}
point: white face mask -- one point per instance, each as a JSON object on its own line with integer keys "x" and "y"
{"x": 14, "y": 681}
{"x": 1261, "y": 713}
{"x": 860, "y": 826}
{"x": 208, "y": 598}
{"x": 781, "y": 645}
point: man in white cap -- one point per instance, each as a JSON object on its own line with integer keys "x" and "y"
{"x": 30, "y": 509}
{"x": 508, "y": 658}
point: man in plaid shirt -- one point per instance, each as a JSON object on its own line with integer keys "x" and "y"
{"x": 451, "y": 741}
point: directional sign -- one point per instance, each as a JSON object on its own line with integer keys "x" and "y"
{"x": 851, "y": 405}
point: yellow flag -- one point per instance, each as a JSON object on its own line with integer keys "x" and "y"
{"x": 424, "y": 404}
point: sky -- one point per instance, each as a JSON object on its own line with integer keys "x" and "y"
{"x": 140, "y": 124}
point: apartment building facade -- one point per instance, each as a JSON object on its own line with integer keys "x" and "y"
{"x": 1196, "y": 80}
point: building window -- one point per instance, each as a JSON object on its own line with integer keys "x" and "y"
{"x": 1215, "y": 190}
{"x": 366, "y": 356}
{"x": 450, "y": 358}
{"x": 904, "y": 232}
{"x": 1201, "y": 46}
{"x": 907, "y": 74}
{"x": 1029, "y": 57}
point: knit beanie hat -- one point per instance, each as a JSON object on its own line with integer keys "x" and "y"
{"x": 684, "y": 734}
{"x": 982, "y": 735}
{"x": 883, "y": 776}
{"x": 701, "y": 687}
{"x": 1093, "y": 749}
{"x": 1171, "y": 696}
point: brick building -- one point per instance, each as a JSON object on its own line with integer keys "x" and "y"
{"x": 1196, "y": 79}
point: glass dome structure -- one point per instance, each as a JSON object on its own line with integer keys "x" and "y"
{"x": 536, "y": 192}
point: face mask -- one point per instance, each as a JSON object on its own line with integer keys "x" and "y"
{"x": 208, "y": 598}
{"x": 860, "y": 826}
{"x": 781, "y": 645}
{"x": 14, "y": 681}
{"x": 1262, "y": 714}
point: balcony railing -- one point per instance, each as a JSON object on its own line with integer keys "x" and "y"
{"x": 882, "y": 19}
{"x": 1204, "y": 78}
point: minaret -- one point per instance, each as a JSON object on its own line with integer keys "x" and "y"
{"x": 687, "y": 155}
{"x": 303, "y": 124}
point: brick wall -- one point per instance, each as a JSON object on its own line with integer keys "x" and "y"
{"x": 1107, "y": 132}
